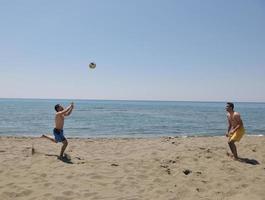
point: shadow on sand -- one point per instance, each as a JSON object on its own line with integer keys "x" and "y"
{"x": 249, "y": 161}
{"x": 66, "y": 159}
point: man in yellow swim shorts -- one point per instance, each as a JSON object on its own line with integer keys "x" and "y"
{"x": 235, "y": 128}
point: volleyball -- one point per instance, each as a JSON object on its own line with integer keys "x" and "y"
{"x": 92, "y": 65}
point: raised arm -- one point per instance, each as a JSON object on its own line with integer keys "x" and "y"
{"x": 63, "y": 112}
{"x": 70, "y": 111}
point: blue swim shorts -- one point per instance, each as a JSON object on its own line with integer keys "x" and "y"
{"x": 58, "y": 135}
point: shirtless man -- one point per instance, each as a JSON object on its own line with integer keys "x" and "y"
{"x": 61, "y": 113}
{"x": 235, "y": 128}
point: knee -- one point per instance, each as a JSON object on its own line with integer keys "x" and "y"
{"x": 65, "y": 142}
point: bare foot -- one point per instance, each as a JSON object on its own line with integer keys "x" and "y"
{"x": 60, "y": 157}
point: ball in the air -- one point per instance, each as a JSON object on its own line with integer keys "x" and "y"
{"x": 92, "y": 65}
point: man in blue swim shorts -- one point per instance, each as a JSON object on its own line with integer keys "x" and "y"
{"x": 58, "y": 133}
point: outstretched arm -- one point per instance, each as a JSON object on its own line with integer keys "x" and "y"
{"x": 70, "y": 111}
{"x": 63, "y": 112}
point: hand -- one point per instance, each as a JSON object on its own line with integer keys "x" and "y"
{"x": 230, "y": 133}
{"x": 72, "y": 104}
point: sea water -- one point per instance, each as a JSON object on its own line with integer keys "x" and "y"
{"x": 107, "y": 118}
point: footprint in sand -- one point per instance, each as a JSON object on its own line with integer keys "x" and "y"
{"x": 209, "y": 151}
{"x": 199, "y": 173}
{"x": 244, "y": 185}
{"x": 81, "y": 163}
{"x": 10, "y": 194}
{"x": 69, "y": 177}
{"x": 24, "y": 193}
{"x": 68, "y": 193}
{"x": 61, "y": 198}
{"x": 47, "y": 195}
{"x": 78, "y": 158}
{"x": 43, "y": 175}
{"x": 157, "y": 180}
{"x": 164, "y": 166}
{"x": 46, "y": 184}
{"x": 97, "y": 177}
{"x": 90, "y": 194}
{"x": 116, "y": 182}
{"x": 187, "y": 172}
{"x": 142, "y": 177}
{"x": 10, "y": 184}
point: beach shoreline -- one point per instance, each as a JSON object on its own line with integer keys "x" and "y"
{"x": 132, "y": 168}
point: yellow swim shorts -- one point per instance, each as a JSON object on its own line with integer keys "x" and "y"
{"x": 236, "y": 136}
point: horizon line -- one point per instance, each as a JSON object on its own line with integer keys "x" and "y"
{"x": 143, "y": 100}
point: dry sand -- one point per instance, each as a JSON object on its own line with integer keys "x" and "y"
{"x": 132, "y": 169}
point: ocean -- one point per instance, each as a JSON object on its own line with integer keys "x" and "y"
{"x": 130, "y": 119}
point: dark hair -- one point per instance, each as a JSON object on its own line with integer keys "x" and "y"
{"x": 56, "y": 107}
{"x": 230, "y": 104}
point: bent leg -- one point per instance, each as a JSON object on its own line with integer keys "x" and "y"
{"x": 49, "y": 138}
{"x": 65, "y": 143}
{"x": 233, "y": 148}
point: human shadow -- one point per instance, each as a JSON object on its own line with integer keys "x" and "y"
{"x": 248, "y": 161}
{"x": 66, "y": 159}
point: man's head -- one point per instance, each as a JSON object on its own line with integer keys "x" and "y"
{"x": 58, "y": 108}
{"x": 229, "y": 107}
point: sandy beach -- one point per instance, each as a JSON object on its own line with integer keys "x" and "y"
{"x": 163, "y": 168}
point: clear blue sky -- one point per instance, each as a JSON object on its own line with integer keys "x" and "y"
{"x": 144, "y": 49}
